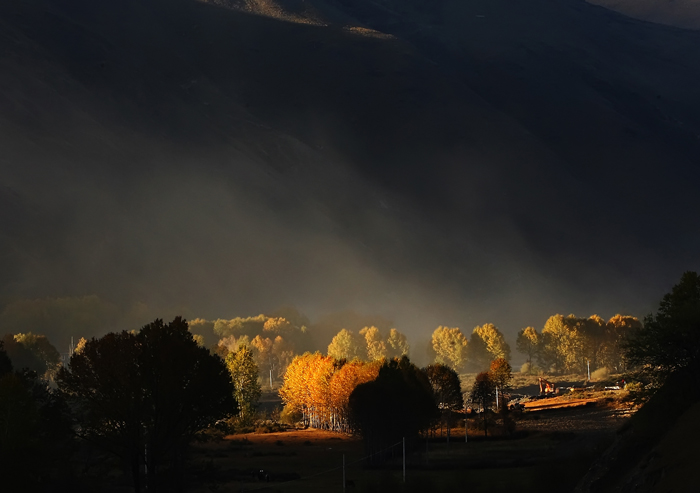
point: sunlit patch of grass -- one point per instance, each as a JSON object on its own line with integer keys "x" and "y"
{"x": 366, "y": 32}
{"x": 270, "y": 8}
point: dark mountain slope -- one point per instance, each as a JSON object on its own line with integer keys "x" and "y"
{"x": 463, "y": 168}
{"x": 679, "y": 13}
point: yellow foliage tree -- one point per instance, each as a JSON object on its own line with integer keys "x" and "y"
{"x": 278, "y": 325}
{"x": 563, "y": 344}
{"x": 396, "y": 344}
{"x": 376, "y": 347}
{"x": 80, "y": 347}
{"x": 494, "y": 341}
{"x": 617, "y": 329}
{"x": 450, "y": 347}
{"x": 528, "y": 342}
{"x": 344, "y": 346}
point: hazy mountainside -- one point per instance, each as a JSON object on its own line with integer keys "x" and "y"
{"x": 679, "y": 13}
{"x": 437, "y": 162}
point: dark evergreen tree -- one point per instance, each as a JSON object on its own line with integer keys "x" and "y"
{"x": 447, "y": 390}
{"x": 670, "y": 340}
{"x": 482, "y": 395}
{"x": 398, "y": 404}
{"x": 144, "y": 396}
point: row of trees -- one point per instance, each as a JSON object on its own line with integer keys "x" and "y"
{"x": 453, "y": 349}
{"x": 272, "y": 340}
{"x": 566, "y": 343}
{"x": 570, "y": 344}
{"x": 319, "y": 388}
{"x": 369, "y": 345}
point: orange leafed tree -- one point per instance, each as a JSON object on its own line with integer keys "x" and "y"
{"x": 342, "y": 384}
{"x": 320, "y": 386}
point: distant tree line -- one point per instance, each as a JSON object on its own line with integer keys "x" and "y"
{"x": 452, "y": 348}
{"x": 571, "y": 344}
{"x": 143, "y": 395}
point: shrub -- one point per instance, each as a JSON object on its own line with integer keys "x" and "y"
{"x": 526, "y": 368}
{"x": 290, "y": 416}
{"x": 634, "y": 387}
{"x": 600, "y": 374}
{"x": 269, "y": 426}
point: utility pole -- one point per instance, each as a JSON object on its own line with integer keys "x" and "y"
{"x": 404, "y": 459}
{"x": 466, "y": 417}
{"x": 588, "y": 362}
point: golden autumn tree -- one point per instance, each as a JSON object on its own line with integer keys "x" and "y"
{"x": 295, "y": 387}
{"x": 262, "y": 353}
{"x": 277, "y": 325}
{"x": 450, "y": 347}
{"x": 617, "y": 331}
{"x": 344, "y": 346}
{"x": 80, "y": 347}
{"x": 563, "y": 344}
{"x": 486, "y": 344}
{"x": 494, "y": 341}
{"x": 320, "y": 372}
{"x": 319, "y": 387}
{"x": 527, "y": 343}
{"x": 376, "y": 347}
{"x": 501, "y": 375}
{"x": 342, "y": 384}
{"x": 283, "y": 353}
{"x": 231, "y": 344}
{"x": 396, "y": 344}
{"x": 244, "y": 375}
{"x": 593, "y": 332}
{"x": 250, "y": 326}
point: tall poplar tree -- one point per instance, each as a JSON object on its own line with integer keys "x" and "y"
{"x": 244, "y": 375}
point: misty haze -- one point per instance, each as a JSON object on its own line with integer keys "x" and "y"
{"x": 485, "y": 199}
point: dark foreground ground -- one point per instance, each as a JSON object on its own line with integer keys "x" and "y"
{"x": 550, "y": 451}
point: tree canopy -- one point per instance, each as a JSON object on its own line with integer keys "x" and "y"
{"x": 397, "y": 404}
{"x": 450, "y": 347}
{"x": 670, "y": 339}
{"x": 375, "y": 344}
{"x": 397, "y": 344}
{"x": 482, "y": 395}
{"x": 447, "y": 389}
{"x": 527, "y": 343}
{"x": 344, "y": 346}
{"x": 143, "y": 395}
{"x": 244, "y": 375}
